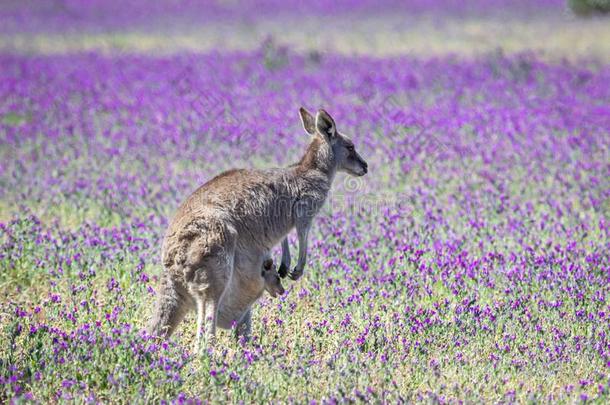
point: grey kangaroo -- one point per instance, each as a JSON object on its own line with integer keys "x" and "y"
{"x": 220, "y": 236}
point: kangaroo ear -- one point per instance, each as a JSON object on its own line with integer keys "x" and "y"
{"x": 309, "y": 123}
{"x": 325, "y": 124}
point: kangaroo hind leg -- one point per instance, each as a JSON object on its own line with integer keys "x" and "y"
{"x": 207, "y": 312}
{"x": 207, "y": 287}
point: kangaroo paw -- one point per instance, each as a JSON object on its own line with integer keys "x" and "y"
{"x": 296, "y": 274}
{"x": 283, "y": 270}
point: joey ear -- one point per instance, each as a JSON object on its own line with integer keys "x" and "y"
{"x": 309, "y": 122}
{"x": 325, "y": 124}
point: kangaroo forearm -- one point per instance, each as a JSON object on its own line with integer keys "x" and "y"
{"x": 285, "y": 265}
{"x": 285, "y": 252}
{"x": 301, "y": 262}
{"x": 298, "y": 270}
{"x": 302, "y": 255}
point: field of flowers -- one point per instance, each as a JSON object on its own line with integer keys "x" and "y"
{"x": 472, "y": 263}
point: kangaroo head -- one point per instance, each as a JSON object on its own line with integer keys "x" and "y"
{"x": 340, "y": 152}
{"x": 273, "y": 283}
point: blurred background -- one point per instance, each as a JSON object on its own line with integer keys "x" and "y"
{"x": 557, "y": 28}
{"x": 470, "y": 264}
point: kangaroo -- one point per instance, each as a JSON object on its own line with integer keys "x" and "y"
{"x": 273, "y": 283}
{"x": 215, "y": 245}
{"x": 239, "y": 298}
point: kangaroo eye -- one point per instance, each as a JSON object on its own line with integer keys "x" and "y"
{"x": 351, "y": 148}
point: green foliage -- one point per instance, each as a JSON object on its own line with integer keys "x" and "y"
{"x": 588, "y": 7}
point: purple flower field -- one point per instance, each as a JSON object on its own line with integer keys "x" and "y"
{"x": 100, "y": 15}
{"x": 471, "y": 264}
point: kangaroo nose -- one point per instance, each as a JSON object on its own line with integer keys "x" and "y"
{"x": 365, "y": 167}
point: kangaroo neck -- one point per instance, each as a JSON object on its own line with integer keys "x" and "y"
{"x": 319, "y": 159}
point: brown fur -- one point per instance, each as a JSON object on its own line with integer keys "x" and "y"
{"x": 216, "y": 243}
